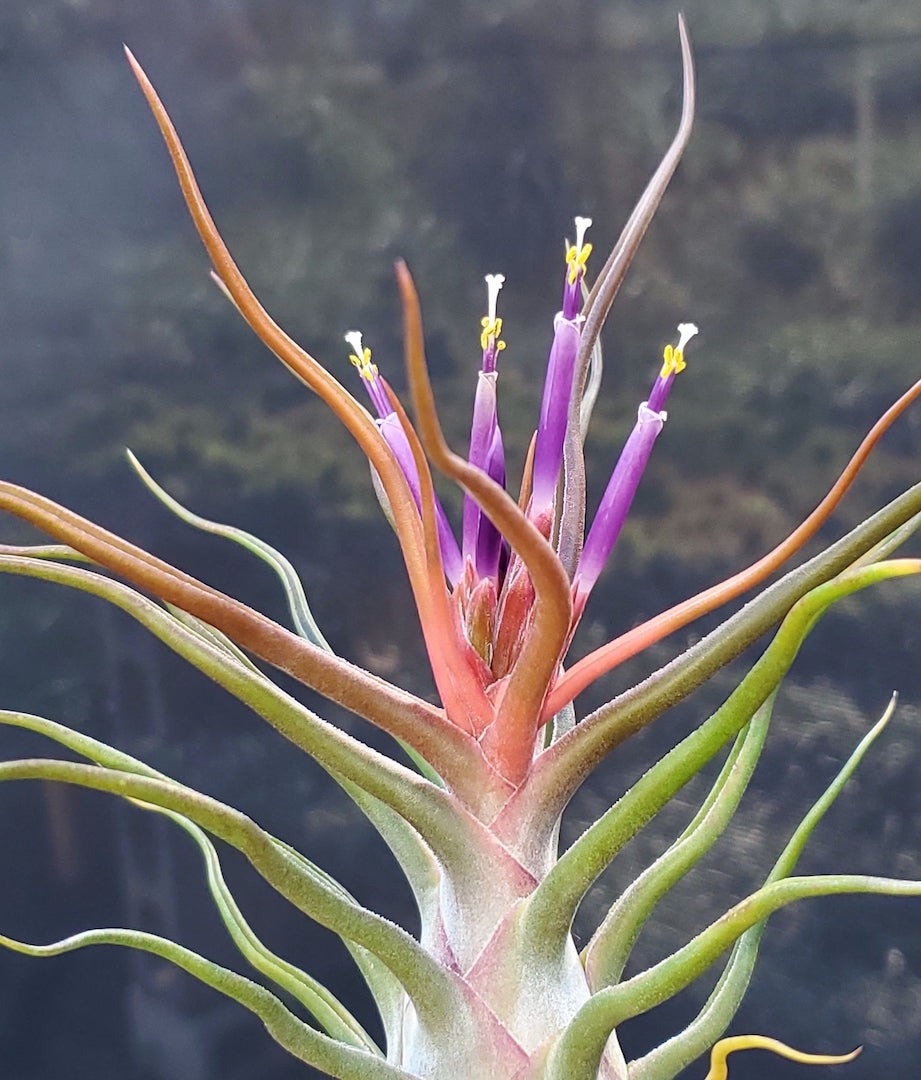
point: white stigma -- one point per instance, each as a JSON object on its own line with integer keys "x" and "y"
{"x": 494, "y": 283}
{"x": 353, "y": 337}
{"x": 582, "y": 225}
{"x": 686, "y": 331}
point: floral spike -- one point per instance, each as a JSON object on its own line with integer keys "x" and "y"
{"x": 395, "y": 437}
{"x": 725, "y": 1047}
{"x": 618, "y": 497}
{"x": 558, "y": 385}
{"x": 454, "y": 671}
{"x": 482, "y": 541}
{"x": 510, "y": 742}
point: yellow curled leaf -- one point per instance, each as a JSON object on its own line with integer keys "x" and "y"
{"x": 719, "y": 1071}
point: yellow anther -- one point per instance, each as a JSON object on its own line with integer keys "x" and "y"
{"x": 576, "y": 259}
{"x": 492, "y": 326}
{"x": 719, "y": 1070}
{"x": 673, "y": 355}
{"x": 361, "y": 356}
{"x": 672, "y": 361}
{"x": 578, "y": 253}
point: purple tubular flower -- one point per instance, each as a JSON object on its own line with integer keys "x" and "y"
{"x": 615, "y": 503}
{"x": 482, "y": 542}
{"x": 490, "y": 542}
{"x": 618, "y": 496}
{"x": 576, "y": 257}
{"x": 672, "y": 363}
{"x": 395, "y": 437}
{"x": 554, "y": 408}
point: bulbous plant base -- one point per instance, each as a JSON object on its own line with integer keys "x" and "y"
{"x": 450, "y": 1059}
{"x": 520, "y": 994}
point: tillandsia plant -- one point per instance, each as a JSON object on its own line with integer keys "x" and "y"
{"x": 493, "y": 986}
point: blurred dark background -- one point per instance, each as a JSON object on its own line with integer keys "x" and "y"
{"x": 330, "y": 137}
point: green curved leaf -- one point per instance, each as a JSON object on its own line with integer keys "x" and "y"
{"x": 665, "y": 1061}
{"x": 453, "y": 834}
{"x": 298, "y": 1038}
{"x": 310, "y": 890}
{"x": 665, "y": 979}
{"x": 330, "y": 1014}
{"x": 578, "y": 1051}
{"x": 443, "y": 1003}
{"x": 384, "y": 988}
{"x": 607, "y": 952}
{"x": 561, "y": 769}
{"x": 44, "y": 551}
{"x": 301, "y": 615}
{"x": 212, "y": 636}
{"x": 743, "y": 924}
{"x": 463, "y": 846}
{"x": 552, "y": 906}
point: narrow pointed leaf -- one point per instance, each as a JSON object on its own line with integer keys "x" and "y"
{"x": 401, "y": 714}
{"x": 552, "y": 906}
{"x": 428, "y": 807}
{"x": 301, "y": 615}
{"x": 299, "y": 1039}
{"x": 561, "y": 769}
{"x": 599, "y": 302}
{"x": 610, "y": 946}
{"x": 666, "y": 1061}
{"x": 310, "y": 890}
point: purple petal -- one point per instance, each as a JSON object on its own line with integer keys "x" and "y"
{"x": 615, "y": 503}
{"x": 482, "y": 430}
{"x": 554, "y": 409}
{"x": 395, "y": 437}
{"x": 489, "y": 545}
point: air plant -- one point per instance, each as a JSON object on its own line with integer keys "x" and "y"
{"x": 493, "y": 985}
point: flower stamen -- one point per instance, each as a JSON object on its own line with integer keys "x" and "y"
{"x": 490, "y": 338}
{"x": 578, "y": 253}
{"x": 367, "y": 369}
